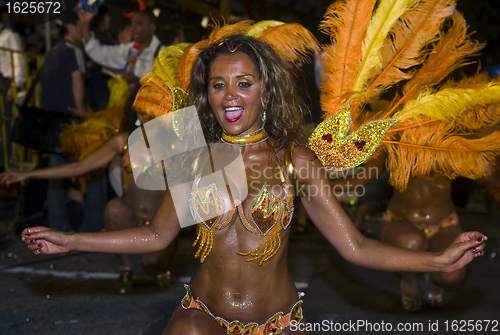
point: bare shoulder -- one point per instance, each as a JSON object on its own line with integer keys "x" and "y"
{"x": 304, "y": 157}
{"x": 119, "y": 140}
{"x": 306, "y": 164}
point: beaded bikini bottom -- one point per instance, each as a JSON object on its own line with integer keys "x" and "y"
{"x": 429, "y": 230}
{"x": 274, "y": 325}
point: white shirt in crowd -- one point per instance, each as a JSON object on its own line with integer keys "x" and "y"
{"x": 11, "y": 40}
{"x": 116, "y": 56}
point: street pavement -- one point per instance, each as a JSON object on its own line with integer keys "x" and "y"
{"x": 73, "y": 293}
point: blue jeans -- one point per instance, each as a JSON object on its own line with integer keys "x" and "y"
{"x": 95, "y": 199}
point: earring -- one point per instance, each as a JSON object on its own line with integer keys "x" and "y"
{"x": 264, "y": 116}
{"x": 138, "y": 123}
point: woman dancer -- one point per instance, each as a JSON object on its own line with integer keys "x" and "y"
{"x": 135, "y": 207}
{"x": 244, "y": 94}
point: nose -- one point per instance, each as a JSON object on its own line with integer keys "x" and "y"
{"x": 231, "y": 94}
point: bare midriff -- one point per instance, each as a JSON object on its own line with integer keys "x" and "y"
{"x": 229, "y": 285}
{"x": 425, "y": 201}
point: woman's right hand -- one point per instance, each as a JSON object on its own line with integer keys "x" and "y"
{"x": 11, "y": 177}
{"x": 43, "y": 240}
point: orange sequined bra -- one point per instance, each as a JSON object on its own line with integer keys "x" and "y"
{"x": 268, "y": 215}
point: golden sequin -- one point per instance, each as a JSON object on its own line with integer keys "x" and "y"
{"x": 179, "y": 119}
{"x": 269, "y": 214}
{"x": 255, "y": 137}
{"x": 338, "y": 152}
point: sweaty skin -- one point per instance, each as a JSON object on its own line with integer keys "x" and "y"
{"x": 425, "y": 201}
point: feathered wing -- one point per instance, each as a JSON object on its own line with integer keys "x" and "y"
{"x": 407, "y": 44}
{"x": 83, "y": 139}
{"x": 186, "y": 62}
{"x": 442, "y": 131}
{"x": 118, "y": 92}
{"x": 452, "y": 51}
{"x": 449, "y": 103}
{"x": 154, "y": 97}
{"x": 437, "y": 146}
{"x": 440, "y": 128}
{"x": 166, "y": 63}
{"x": 387, "y": 13}
{"x": 346, "y": 23}
{"x": 291, "y": 41}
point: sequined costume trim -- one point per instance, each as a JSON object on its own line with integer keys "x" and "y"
{"x": 269, "y": 214}
{"x": 274, "y": 325}
{"x": 429, "y": 230}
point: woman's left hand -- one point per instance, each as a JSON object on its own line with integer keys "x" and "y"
{"x": 462, "y": 251}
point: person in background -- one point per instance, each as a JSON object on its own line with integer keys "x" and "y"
{"x": 101, "y": 26}
{"x": 63, "y": 91}
{"x": 30, "y": 38}
{"x": 143, "y": 27}
{"x": 96, "y": 85}
{"x": 135, "y": 207}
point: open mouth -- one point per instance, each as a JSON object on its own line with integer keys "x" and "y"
{"x": 233, "y": 114}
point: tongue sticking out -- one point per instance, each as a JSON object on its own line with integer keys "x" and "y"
{"x": 233, "y": 116}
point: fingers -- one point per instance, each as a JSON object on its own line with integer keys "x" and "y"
{"x": 35, "y": 245}
{"x": 5, "y": 178}
{"x": 473, "y": 241}
{"x": 471, "y": 236}
{"x": 478, "y": 250}
{"x": 32, "y": 233}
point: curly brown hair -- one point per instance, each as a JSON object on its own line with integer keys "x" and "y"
{"x": 280, "y": 98}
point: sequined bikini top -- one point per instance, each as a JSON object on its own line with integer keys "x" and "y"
{"x": 269, "y": 214}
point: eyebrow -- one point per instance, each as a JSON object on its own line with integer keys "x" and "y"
{"x": 239, "y": 77}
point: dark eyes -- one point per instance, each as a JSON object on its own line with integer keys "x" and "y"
{"x": 243, "y": 84}
{"x": 218, "y": 86}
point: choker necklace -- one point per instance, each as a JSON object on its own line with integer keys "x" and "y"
{"x": 245, "y": 139}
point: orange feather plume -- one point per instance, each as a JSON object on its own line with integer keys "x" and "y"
{"x": 433, "y": 147}
{"x": 237, "y": 28}
{"x": 451, "y": 52}
{"x": 405, "y": 47}
{"x": 346, "y": 23}
{"x": 186, "y": 63}
{"x": 154, "y": 97}
{"x": 291, "y": 41}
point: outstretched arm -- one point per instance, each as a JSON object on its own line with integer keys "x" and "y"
{"x": 139, "y": 240}
{"x": 369, "y": 172}
{"x": 97, "y": 159}
{"x": 330, "y": 218}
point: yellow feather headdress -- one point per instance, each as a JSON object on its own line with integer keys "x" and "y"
{"x": 419, "y": 42}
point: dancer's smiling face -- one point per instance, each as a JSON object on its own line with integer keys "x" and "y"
{"x": 234, "y": 93}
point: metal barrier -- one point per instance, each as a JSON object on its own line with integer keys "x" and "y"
{"x": 20, "y": 154}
